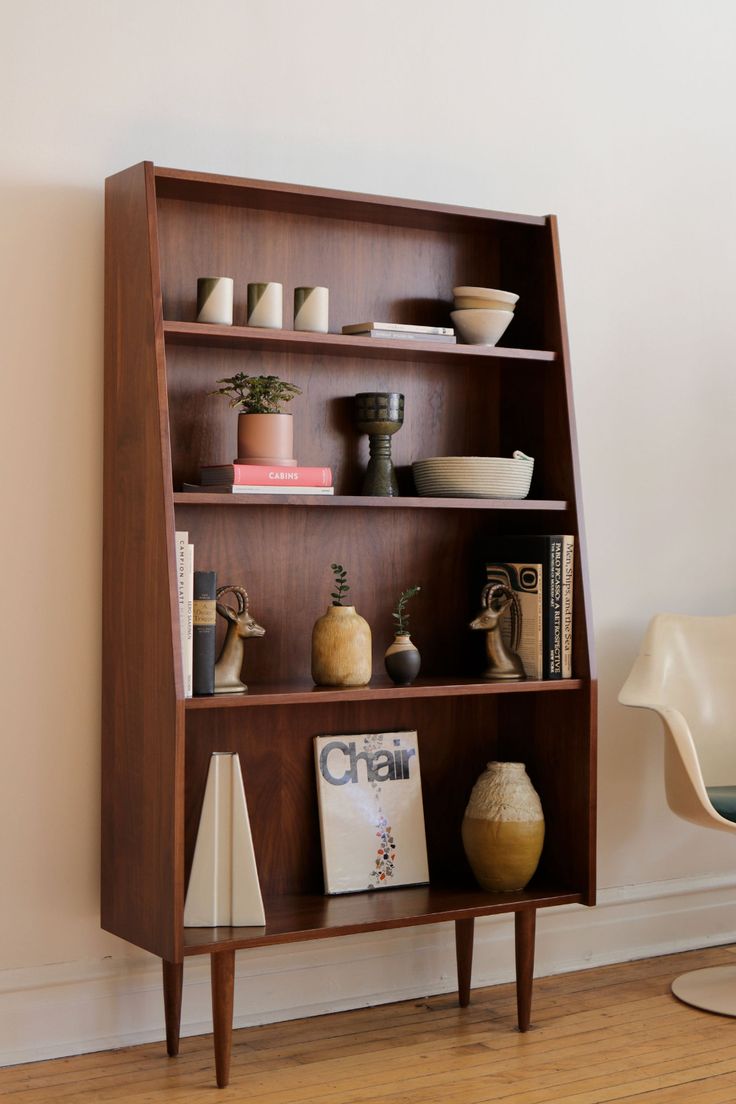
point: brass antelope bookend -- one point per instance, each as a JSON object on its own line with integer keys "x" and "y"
{"x": 241, "y": 625}
{"x": 503, "y": 662}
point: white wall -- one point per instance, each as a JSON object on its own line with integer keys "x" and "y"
{"x": 618, "y": 118}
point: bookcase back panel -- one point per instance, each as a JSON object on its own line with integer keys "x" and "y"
{"x": 457, "y": 737}
{"x": 374, "y": 271}
{"x": 448, "y": 410}
{"x": 283, "y": 559}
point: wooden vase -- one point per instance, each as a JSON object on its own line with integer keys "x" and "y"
{"x": 402, "y": 660}
{"x": 341, "y": 648}
{"x": 503, "y": 828}
{"x": 266, "y": 439}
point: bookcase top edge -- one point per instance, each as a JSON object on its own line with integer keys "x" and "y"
{"x": 176, "y": 183}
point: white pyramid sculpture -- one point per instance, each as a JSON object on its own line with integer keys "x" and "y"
{"x": 223, "y": 886}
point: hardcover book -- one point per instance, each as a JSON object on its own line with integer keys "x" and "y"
{"x": 397, "y": 327}
{"x": 261, "y": 475}
{"x": 233, "y": 488}
{"x": 203, "y": 645}
{"x": 556, "y": 555}
{"x": 370, "y": 811}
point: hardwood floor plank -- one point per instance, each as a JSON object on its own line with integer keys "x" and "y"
{"x": 612, "y": 1035}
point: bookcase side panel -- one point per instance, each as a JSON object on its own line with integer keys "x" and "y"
{"x": 142, "y": 819}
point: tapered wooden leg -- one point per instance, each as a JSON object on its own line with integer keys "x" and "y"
{"x": 525, "y": 924}
{"x": 464, "y": 951}
{"x": 173, "y": 977}
{"x": 222, "y": 966}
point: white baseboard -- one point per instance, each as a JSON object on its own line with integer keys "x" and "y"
{"x": 58, "y": 1010}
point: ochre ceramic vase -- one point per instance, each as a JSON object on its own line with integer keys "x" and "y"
{"x": 402, "y": 660}
{"x": 266, "y": 439}
{"x": 341, "y": 648}
{"x": 503, "y": 828}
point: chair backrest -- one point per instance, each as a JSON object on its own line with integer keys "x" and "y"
{"x": 689, "y": 664}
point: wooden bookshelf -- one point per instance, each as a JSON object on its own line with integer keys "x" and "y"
{"x": 380, "y": 258}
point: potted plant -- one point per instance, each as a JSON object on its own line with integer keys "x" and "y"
{"x": 402, "y": 659}
{"x": 265, "y": 432}
{"x": 341, "y": 640}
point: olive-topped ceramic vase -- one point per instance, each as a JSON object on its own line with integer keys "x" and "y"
{"x": 402, "y": 660}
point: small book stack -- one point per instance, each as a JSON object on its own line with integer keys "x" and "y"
{"x": 539, "y": 569}
{"x": 197, "y": 616}
{"x": 261, "y": 479}
{"x": 397, "y": 331}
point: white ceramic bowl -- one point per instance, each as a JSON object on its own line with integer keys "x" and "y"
{"x": 481, "y": 327}
{"x": 473, "y": 476}
{"x": 495, "y": 294}
{"x": 468, "y": 302}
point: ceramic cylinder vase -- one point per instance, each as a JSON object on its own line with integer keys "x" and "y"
{"x": 341, "y": 648}
{"x": 266, "y": 306}
{"x": 311, "y": 309}
{"x": 402, "y": 660}
{"x": 215, "y": 300}
{"x": 266, "y": 439}
{"x": 503, "y": 828}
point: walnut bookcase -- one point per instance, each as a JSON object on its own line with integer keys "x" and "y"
{"x": 380, "y": 258}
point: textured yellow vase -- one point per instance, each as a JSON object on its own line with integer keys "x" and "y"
{"x": 503, "y": 828}
{"x": 341, "y": 648}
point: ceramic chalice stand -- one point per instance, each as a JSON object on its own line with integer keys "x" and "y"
{"x": 380, "y": 415}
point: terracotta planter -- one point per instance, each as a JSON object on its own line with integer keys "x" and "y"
{"x": 266, "y": 439}
{"x": 503, "y": 828}
{"x": 341, "y": 648}
{"x": 402, "y": 660}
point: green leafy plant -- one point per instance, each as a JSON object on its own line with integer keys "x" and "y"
{"x": 341, "y": 585}
{"x": 400, "y": 614}
{"x": 257, "y": 394}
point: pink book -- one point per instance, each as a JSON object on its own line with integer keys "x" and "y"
{"x": 259, "y": 475}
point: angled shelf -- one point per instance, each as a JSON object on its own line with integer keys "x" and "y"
{"x": 381, "y": 258}
{"x": 294, "y": 917}
{"x": 306, "y": 693}
{"x": 192, "y": 498}
{"x": 200, "y": 335}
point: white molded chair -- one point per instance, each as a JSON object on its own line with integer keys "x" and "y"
{"x": 686, "y": 672}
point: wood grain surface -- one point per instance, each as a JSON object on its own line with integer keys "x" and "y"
{"x": 612, "y": 1034}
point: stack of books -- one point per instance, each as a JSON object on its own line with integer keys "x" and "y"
{"x": 400, "y": 332}
{"x": 197, "y": 615}
{"x": 539, "y": 569}
{"x": 261, "y": 479}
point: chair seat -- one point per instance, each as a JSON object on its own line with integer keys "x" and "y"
{"x": 723, "y": 800}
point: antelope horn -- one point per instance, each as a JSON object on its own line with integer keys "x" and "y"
{"x": 240, "y": 593}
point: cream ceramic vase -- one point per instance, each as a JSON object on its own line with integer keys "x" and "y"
{"x": 503, "y": 828}
{"x": 341, "y": 648}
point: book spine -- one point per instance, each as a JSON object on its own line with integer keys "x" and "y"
{"x": 203, "y": 622}
{"x": 188, "y": 614}
{"x": 568, "y": 559}
{"x": 553, "y": 605}
{"x": 260, "y": 476}
{"x": 181, "y": 541}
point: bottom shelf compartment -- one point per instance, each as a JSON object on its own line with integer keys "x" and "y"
{"x": 297, "y": 917}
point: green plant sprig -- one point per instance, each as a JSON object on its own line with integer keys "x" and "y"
{"x": 341, "y": 585}
{"x": 400, "y": 614}
{"x": 257, "y": 394}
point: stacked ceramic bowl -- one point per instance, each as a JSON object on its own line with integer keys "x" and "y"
{"x": 482, "y": 315}
{"x": 474, "y": 476}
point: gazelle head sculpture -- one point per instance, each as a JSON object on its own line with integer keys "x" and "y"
{"x": 241, "y": 626}
{"x": 503, "y": 662}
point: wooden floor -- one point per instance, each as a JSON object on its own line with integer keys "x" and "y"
{"x": 610, "y": 1034}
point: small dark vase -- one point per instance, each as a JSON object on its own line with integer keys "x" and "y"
{"x": 380, "y": 415}
{"x": 402, "y": 660}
